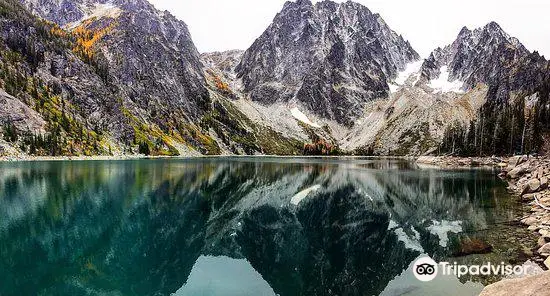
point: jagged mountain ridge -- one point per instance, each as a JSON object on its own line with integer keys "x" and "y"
{"x": 487, "y": 55}
{"x": 349, "y": 89}
{"x": 332, "y": 58}
{"x": 470, "y": 82}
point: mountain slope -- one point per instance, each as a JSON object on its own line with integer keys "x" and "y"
{"x": 331, "y": 58}
{"x": 481, "y": 85}
{"x": 102, "y": 72}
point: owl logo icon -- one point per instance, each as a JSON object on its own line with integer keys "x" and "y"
{"x": 425, "y": 269}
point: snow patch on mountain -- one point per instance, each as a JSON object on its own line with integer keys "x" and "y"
{"x": 410, "y": 242}
{"x": 411, "y": 69}
{"x": 299, "y": 115}
{"x": 442, "y": 83}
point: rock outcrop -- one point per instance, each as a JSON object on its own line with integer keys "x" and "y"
{"x": 528, "y": 286}
{"x": 331, "y": 58}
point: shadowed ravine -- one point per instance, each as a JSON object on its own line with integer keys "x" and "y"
{"x": 232, "y": 226}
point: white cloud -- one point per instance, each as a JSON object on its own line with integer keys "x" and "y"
{"x": 235, "y": 24}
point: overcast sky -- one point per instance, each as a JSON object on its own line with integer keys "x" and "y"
{"x": 218, "y": 25}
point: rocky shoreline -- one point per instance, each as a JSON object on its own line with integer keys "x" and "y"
{"x": 528, "y": 179}
{"x": 460, "y": 162}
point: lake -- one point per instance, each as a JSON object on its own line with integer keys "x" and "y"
{"x": 247, "y": 226}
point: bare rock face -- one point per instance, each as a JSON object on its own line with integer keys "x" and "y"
{"x": 134, "y": 33}
{"x": 533, "y": 285}
{"x": 139, "y": 68}
{"x": 20, "y": 115}
{"x": 332, "y": 58}
{"x": 490, "y": 56}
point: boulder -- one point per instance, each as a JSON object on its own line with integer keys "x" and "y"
{"x": 541, "y": 242}
{"x": 472, "y": 246}
{"x": 532, "y": 186}
{"x": 527, "y": 286}
{"x": 544, "y": 249}
{"x": 544, "y": 182}
{"x": 547, "y": 262}
{"x": 514, "y": 161}
{"x": 529, "y": 221}
{"x": 523, "y": 159}
{"x": 540, "y": 172}
{"x": 517, "y": 172}
{"x": 528, "y": 197}
{"x": 534, "y": 227}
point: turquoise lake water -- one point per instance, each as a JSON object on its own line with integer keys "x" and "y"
{"x": 245, "y": 226}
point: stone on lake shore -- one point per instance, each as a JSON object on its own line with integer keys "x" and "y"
{"x": 545, "y": 250}
{"x": 541, "y": 241}
{"x": 532, "y": 186}
{"x": 530, "y": 221}
{"x": 526, "y": 286}
{"x": 517, "y": 172}
{"x": 544, "y": 182}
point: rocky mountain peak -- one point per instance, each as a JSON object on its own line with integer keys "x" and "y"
{"x": 476, "y": 56}
{"x": 329, "y": 57}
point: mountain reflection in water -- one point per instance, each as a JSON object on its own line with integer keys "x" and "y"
{"x": 161, "y": 227}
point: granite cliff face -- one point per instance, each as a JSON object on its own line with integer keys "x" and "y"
{"x": 331, "y": 58}
{"x": 120, "y": 69}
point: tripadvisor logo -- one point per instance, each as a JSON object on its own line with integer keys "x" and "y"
{"x": 425, "y": 269}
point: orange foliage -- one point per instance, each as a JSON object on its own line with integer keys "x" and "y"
{"x": 55, "y": 30}
{"x": 87, "y": 38}
{"x": 222, "y": 86}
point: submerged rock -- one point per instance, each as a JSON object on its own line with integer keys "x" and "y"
{"x": 473, "y": 246}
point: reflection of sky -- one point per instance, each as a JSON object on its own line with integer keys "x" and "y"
{"x": 407, "y": 284}
{"x": 224, "y": 276}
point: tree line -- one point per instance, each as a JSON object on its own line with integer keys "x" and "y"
{"x": 501, "y": 129}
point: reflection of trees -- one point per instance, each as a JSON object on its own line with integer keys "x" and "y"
{"x": 138, "y": 227}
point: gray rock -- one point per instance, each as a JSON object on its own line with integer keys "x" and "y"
{"x": 532, "y": 186}
{"x": 517, "y": 172}
{"x": 544, "y": 182}
{"x": 544, "y": 249}
{"x": 530, "y": 221}
{"x": 541, "y": 242}
{"x": 527, "y": 286}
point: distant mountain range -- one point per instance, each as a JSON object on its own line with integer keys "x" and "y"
{"x": 120, "y": 77}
